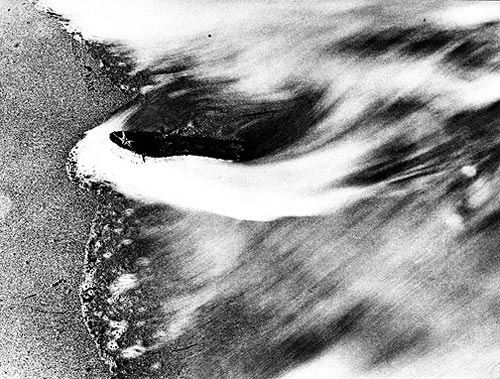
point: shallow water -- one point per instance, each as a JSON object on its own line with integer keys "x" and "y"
{"x": 364, "y": 242}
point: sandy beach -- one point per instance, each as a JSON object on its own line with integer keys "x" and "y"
{"x": 51, "y": 90}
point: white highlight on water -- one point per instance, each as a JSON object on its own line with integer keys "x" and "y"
{"x": 123, "y": 283}
{"x": 468, "y": 13}
{"x": 469, "y": 171}
{"x": 134, "y": 351}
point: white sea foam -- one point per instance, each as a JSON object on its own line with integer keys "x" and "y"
{"x": 468, "y": 13}
{"x": 151, "y": 28}
{"x": 298, "y": 187}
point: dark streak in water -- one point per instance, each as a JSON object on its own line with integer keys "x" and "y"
{"x": 185, "y": 347}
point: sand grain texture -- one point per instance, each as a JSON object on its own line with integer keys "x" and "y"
{"x": 51, "y": 90}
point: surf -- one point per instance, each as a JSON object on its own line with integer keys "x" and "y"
{"x": 259, "y": 192}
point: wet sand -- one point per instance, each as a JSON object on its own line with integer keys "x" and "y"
{"x": 52, "y": 90}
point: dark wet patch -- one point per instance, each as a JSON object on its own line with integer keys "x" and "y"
{"x": 488, "y": 259}
{"x": 398, "y": 109}
{"x": 396, "y": 160}
{"x": 481, "y": 240}
{"x": 399, "y": 346}
{"x": 429, "y": 42}
{"x": 477, "y": 49}
{"x": 308, "y": 344}
{"x": 476, "y": 132}
{"x": 411, "y": 41}
{"x": 57, "y": 16}
{"x": 369, "y": 43}
{"x": 190, "y": 107}
{"x": 470, "y": 137}
{"x": 488, "y": 223}
{"x": 471, "y": 49}
{"x": 238, "y": 342}
{"x": 267, "y": 131}
{"x": 471, "y": 54}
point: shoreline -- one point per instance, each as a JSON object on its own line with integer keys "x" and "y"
{"x": 53, "y": 89}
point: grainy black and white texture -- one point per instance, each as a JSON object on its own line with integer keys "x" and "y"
{"x": 344, "y": 224}
{"x": 51, "y": 91}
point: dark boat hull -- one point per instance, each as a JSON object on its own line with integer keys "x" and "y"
{"x": 159, "y": 145}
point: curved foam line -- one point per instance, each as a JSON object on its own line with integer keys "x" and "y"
{"x": 302, "y": 186}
